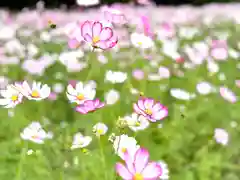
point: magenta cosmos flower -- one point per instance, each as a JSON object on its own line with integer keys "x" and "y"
{"x": 89, "y": 106}
{"x": 152, "y": 110}
{"x": 139, "y": 168}
{"x": 98, "y": 35}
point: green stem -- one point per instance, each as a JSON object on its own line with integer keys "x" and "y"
{"x": 20, "y": 164}
{"x": 102, "y": 157}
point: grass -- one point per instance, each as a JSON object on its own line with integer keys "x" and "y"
{"x": 185, "y": 142}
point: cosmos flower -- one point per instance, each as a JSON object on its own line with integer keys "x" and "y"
{"x": 11, "y": 97}
{"x": 228, "y": 95}
{"x": 89, "y": 106}
{"x": 141, "y": 41}
{"x": 36, "y": 91}
{"x": 124, "y": 143}
{"x": 81, "y": 93}
{"x": 150, "y": 109}
{"x": 80, "y": 141}
{"x": 219, "y": 50}
{"x": 115, "y": 76}
{"x": 136, "y": 122}
{"x": 138, "y": 168}
{"x": 35, "y": 133}
{"x": 98, "y": 35}
{"x": 100, "y": 129}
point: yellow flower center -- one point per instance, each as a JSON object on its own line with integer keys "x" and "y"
{"x": 100, "y": 131}
{"x": 124, "y": 150}
{"x": 14, "y": 98}
{"x": 95, "y": 39}
{"x": 138, "y": 176}
{"x": 139, "y": 43}
{"x": 137, "y": 123}
{"x": 80, "y": 97}
{"x": 35, "y": 136}
{"x": 148, "y": 112}
{"x": 35, "y": 94}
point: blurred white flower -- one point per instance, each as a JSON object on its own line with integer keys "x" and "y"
{"x": 100, "y": 129}
{"x": 221, "y": 136}
{"x": 45, "y": 36}
{"x": 112, "y": 96}
{"x": 125, "y": 143}
{"x": 181, "y": 94}
{"x": 141, "y": 41}
{"x": 58, "y": 88}
{"x": 221, "y": 77}
{"x": 14, "y": 47}
{"x": 11, "y": 97}
{"x": 136, "y": 122}
{"x": 36, "y": 91}
{"x": 165, "y": 172}
{"x": 35, "y": 133}
{"x": 212, "y": 67}
{"x": 80, "y": 141}
{"x": 188, "y": 32}
{"x": 7, "y": 33}
{"x": 115, "y": 77}
{"x": 228, "y": 95}
{"x": 32, "y": 50}
{"x": 204, "y": 88}
{"x": 164, "y": 72}
{"x": 87, "y": 2}
{"x": 80, "y": 93}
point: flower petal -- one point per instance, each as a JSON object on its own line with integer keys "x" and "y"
{"x": 141, "y": 159}
{"x": 123, "y": 171}
{"x": 129, "y": 162}
{"x": 159, "y": 115}
{"x": 152, "y": 171}
{"x": 81, "y": 109}
{"x": 106, "y": 34}
{"x": 148, "y": 102}
{"x": 87, "y": 38}
{"x": 96, "y": 29}
{"x": 86, "y": 29}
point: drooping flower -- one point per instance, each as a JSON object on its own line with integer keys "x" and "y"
{"x": 98, "y": 35}
{"x": 80, "y": 141}
{"x": 81, "y": 93}
{"x": 100, "y": 129}
{"x": 221, "y": 136}
{"x": 150, "y": 109}
{"x": 35, "y": 133}
{"x": 11, "y": 97}
{"x": 36, "y": 91}
{"x": 124, "y": 143}
{"x": 139, "y": 167}
{"x": 89, "y": 106}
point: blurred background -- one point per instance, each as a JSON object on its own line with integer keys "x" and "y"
{"x": 13, "y": 4}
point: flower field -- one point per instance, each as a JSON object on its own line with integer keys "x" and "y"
{"x": 121, "y": 92}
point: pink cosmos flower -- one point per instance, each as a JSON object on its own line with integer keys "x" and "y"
{"x": 167, "y": 30}
{"x": 139, "y": 167}
{"x": 89, "y": 106}
{"x": 114, "y": 16}
{"x": 98, "y": 35}
{"x": 152, "y": 110}
{"x": 219, "y": 50}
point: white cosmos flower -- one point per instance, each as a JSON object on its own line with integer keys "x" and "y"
{"x": 139, "y": 40}
{"x": 204, "y": 88}
{"x": 165, "y": 172}
{"x": 136, "y": 122}
{"x": 228, "y": 95}
{"x": 11, "y": 97}
{"x": 100, "y": 129}
{"x": 212, "y": 67}
{"x": 124, "y": 143}
{"x": 80, "y": 93}
{"x": 34, "y": 92}
{"x": 181, "y": 94}
{"x": 80, "y": 141}
{"x": 115, "y": 77}
{"x": 35, "y": 133}
{"x": 221, "y": 136}
{"x": 112, "y": 96}
{"x": 164, "y": 72}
